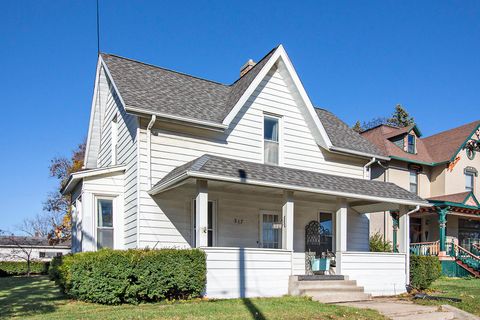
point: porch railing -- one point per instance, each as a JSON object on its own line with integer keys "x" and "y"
{"x": 465, "y": 256}
{"x": 425, "y": 248}
{"x": 475, "y": 249}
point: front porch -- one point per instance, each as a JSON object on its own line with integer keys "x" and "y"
{"x": 255, "y": 234}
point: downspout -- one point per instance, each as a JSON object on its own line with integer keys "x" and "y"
{"x": 366, "y": 168}
{"x": 149, "y": 148}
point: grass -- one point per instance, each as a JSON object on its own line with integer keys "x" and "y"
{"x": 39, "y": 298}
{"x": 467, "y": 289}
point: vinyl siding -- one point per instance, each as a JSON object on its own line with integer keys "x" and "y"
{"x": 243, "y": 140}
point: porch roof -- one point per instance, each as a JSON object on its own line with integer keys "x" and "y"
{"x": 211, "y": 167}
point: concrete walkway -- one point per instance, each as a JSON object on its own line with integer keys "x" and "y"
{"x": 397, "y": 309}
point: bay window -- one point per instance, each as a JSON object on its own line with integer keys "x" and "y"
{"x": 104, "y": 223}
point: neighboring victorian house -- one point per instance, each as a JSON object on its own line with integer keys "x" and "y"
{"x": 442, "y": 168}
{"x": 249, "y": 172}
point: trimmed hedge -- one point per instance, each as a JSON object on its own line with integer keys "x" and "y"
{"x": 18, "y": 268}
{"x": 424, "y": 270}
{"x": 132, "y": 276}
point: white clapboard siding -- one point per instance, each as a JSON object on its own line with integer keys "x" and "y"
{"x": 298, "y": 263}
{"x": 358, "y": 231}
{"x": 244, "y": 141}
{"x": 239, "y": 272}
{"x": 381, "y": 274}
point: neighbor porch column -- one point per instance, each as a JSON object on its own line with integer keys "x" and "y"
{"x": 340, "y": 232}
{"x": 287, "y": 219}
{"x": 442, "y": 222}
{"x": 201, "y": 216}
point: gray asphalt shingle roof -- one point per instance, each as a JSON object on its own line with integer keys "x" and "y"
{"x": 155, "y": 89}
{"x": 231, "y": 168}
{"x": 343, "y": 136}
{"x": 29, "y": 241}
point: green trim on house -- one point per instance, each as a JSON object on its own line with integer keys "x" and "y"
{"x": 418, "y": 161}
{"x": 464, "y": 143}
{"x": 453, "y": 204}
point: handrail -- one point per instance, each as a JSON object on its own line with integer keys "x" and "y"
{"x": 459, "y": 248}
{"x": 425, "y": 248}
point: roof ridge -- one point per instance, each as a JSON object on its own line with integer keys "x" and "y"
{"x": 165, "y": 69}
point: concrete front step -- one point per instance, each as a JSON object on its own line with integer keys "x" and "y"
{"x": 342, "y": 296}
{"x": 327, "y": 285}
{"x": 320, "y": 277}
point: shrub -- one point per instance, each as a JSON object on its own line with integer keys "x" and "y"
{"x": 132, "y": 276}
{"x": 424, "y": 270}
{"x": 18, "y": 268}
{"x": 377, "y": 244}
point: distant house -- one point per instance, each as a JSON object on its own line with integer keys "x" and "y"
{"x": 442, "y": 168}
{"x": 249, "y": 172}
{"x": 16, "y": 248}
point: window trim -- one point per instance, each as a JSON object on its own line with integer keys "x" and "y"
{"x": 260, "y": 228}
{"x": 214, "y": 223}
{"x": 114, "y": 139}
{"x": 114, "y": 209}
{"x": 279, "y": 118}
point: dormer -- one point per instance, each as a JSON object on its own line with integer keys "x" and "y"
{"x": 406, "y": 138}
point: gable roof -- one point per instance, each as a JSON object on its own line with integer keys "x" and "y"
{"x": 17, "y": 241}
{"x": 438, "y": 148}
{"x": 341, "y": 135}
{"x": 238, "y": 171}
{"x": 148, "y": 89}
{"x": 465, "y": 199}
{"x": 445, "y": 145}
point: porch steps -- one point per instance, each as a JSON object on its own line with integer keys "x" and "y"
{"x": 327, "y": 289}
{"x": 472, "y": 271}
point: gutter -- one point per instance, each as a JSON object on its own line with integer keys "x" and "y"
{"x": 149, "y": 148}
{"x": 367, "y": 170}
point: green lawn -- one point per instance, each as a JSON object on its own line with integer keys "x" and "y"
{"x": 467, "y": 289}
{"x": 39, "y": 298}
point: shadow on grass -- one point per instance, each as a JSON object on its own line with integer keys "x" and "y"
{"x": 25, "y": 296}
{"x": 253, "y": 309}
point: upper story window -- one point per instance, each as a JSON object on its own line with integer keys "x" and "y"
{"x": 414, "y": 181}
{"x": 411, "y": 143}
{"x": 469, "y": 181}
{"x": 104, "y": 223}
{"x": 271, "y": 144}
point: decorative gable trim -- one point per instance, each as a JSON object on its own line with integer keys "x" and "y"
{"x": 462, "y": 147}
{"x": 320, "y": 135}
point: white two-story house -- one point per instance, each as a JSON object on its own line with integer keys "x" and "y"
{"x": 249, "y": 172}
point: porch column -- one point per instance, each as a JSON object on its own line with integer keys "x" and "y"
{"x": 201, "y": 216}
{"x": 287, "y": 219}
{"x": 395, "y": 224}
{"x": 404, "y": 225}
{"x": 341, "y": 226}
{"x": 442, "y": 222}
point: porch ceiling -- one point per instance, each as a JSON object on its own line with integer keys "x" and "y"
{"x": 373, "y": 194}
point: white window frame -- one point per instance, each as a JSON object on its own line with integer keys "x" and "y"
{"x": 260, "y": 227}
{"x": 410, "y": 182}
{"x": 472, "y": 175}
{"x": 214, "y": 223}
{"x": 114, "y": 222}
{"x": 279, "y": 118}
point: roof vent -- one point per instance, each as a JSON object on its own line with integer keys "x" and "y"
{"x": 247, "y": 67}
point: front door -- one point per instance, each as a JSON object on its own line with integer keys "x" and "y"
{"x": 319, "y": 234}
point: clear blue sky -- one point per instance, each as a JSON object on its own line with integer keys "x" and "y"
{"x": 356, "y": 58}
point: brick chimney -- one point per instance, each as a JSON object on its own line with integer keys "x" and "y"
{"x": 247, "y": 67}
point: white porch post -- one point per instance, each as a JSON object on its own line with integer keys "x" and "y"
{"x": 340, "y": 232}
{"x": 287, "y": 220}
{"x": 404, "y": 245}
{"x": 201, "y": 216}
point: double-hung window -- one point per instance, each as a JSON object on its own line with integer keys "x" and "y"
{"x": 469, "y": 181}
{"x": 414, "y": 181}
{"x": 271, "y": 140}
{"x": 104, "y": 223}
{"x": 411, "y": 143}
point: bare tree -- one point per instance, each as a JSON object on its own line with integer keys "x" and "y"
{"x": 41, "y": 224}
{"x": 21, "y": 248}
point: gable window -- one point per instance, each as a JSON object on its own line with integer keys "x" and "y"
{"x": 270, "y": 230}
{"x": 211, "y": 223}
{"x": 411, "y": 143}
{"x": 271, "y": 139}
{"x": 469, "y": 181}
{"x": 104, "y": 223}
{"x": 414, "y": 181}
{"x": 41, "y": 254}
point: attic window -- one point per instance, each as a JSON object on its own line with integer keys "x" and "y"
{"x": 411, "y": 143}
